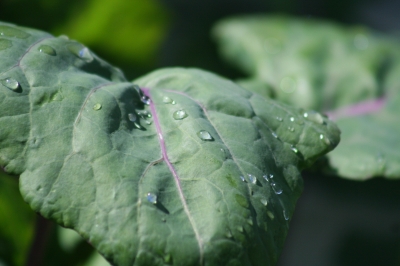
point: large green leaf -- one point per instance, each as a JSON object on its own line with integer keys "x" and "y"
{"x": 189, "y": 170}
{"x": 314, "y": 64}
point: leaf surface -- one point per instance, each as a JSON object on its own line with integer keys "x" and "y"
{"x": 351, "y": 73}
{"x": 191, "y": 169}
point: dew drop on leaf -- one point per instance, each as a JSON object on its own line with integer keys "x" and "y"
{"x": 152, "y": 198}
{"x": 291, "y": 129}
{"x": 180, "y": 114}
{"x": 266, "y": 178}
{"x": 274, "y": 135}
{"x": 252, "y": 179}
{"x": 10, "y": 83}
{"x": 294, "y": 149}
{"x": 144, "y": 114}
{"x": 280, "y": 119}
{"x": 314, "y": 117}
{"x": 97, "y": 106}
{"x": 168, "y": 100}
{"x": 132, "y": 117}
{"x": 291, "y": 119}
{"x": 13, "y": 32}
{"x": 204, "y": 135}
{"x": 80, "y": 51}
{"x": 285, "y": 215}
{"x": 242, "y": 178}
{"x": 46, "y": 49}
{"x": 146, "y": 100}
{"x": 277, "y": 189}
{"x": 264, "y": 201}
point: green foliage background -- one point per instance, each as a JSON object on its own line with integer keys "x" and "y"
{"x": 141, "y": 35}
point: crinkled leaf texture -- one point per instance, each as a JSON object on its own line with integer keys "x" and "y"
{"x": 352, "y": 73}
{"x": 189, "y": 170}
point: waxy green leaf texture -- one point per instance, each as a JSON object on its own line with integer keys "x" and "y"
{"x": 188, "y": 169}
{"x": 350, "y": 73}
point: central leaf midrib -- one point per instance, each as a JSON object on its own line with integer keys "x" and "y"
{"x": 161, "y": 140}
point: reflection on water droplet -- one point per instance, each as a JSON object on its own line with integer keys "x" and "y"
{"x": 252, "y": 179}
{"x": 291, "y": 119}
{"x": 46, "y": 49}
{"x": 264, "y": 201}
{"x": 294, "y": 149}
{"x": 266, "y": 178}
{"x": 280, "y": 119}
{"x": 291, "y": 129}
{"x": 97, "y": 106}
{"x": 168, "y": 100}
{"x": 132, "y": 117}
{"x": 277, "y": 188}
{"x": 271, "y": 176}
{"x": 146, "y": 100}
{"x": 274, "y": 135}
{"x": 285, "y": 215}
{"x": 4, "y": 44}
{"x": 204, "y": 135}
{"x": 242, "y": 178}
{"x": 10, "y": 83}
{"x": 80, "y": 51}
{"x": 148, "y": 121}
{"x": 137, "y": 125}
{"x": 144, "y": 114}
{"x": 180, "y": 114}
{"x": 288, "y": 85}
{"x": 152, "y": 198}
{"x": 314, "y": 117}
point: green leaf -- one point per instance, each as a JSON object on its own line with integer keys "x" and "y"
{"x": 152, "y": 176}
{"x": 329, "y": 68}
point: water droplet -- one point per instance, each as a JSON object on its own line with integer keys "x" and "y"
{"x": 63, "y": 37}
{"x": 277, "y": 189}
{"x": 274, "y": 135}
{"x": 148, "y": 121}
{"x": 137, "y": 125}
{"x": 280, "y": 119}
{"x": 144, "y": 114}
{"x": 80, "y": 51}
{"x": 266, "y": 178}
{"x": 294, "y": 149}
{"x": 204, "y": 135}
{"x": 46, "y": 49}
{"x": 285, "y": 215}
{"x": 291, "y": 129}
{"x": 288, "y": 85}
{"x": 180, "y": 114}
{"x": 4, "y": 44}
{"x": 13, "y": 32}
{"x": 291, "y": 119}
{"x": 325, "y": 139}
{"x": 132, "y": 117}
{"x": 270, "y": 215}
{"x": 264, "y": 201}
{"x": 242, "y": 178}
{"x": 314, "y": 117}
{"x": 152, "y": 198}
{"x": 10, "y": 83}
{"x": 97, "y": 106}
{"x": 146, "y": 100}
{"x": 168, "y": 100}
{"x": 252, "y": 179}
{"x": 271, "y": 176}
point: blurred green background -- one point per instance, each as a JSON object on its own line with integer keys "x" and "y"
{"x": 337, "y": 222}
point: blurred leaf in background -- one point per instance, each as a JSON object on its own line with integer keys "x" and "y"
{"x": 126, "y": 33}
{"x": 17, "y": 222}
